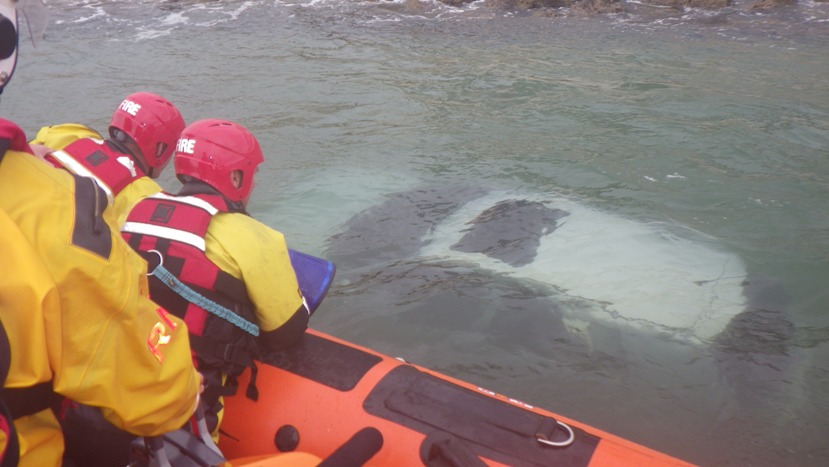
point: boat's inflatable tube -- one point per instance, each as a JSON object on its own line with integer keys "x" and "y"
{"x": 335, "y": 400}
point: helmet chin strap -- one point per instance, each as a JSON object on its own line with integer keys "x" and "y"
{"x": 150, "y": 170}
{"x": 238, "y": 206}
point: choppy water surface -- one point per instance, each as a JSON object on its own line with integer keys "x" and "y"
{"x": 691, "y": 136}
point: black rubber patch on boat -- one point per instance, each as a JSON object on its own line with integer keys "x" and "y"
{"x": 489, "y": 427}
{"x": 324, "y": 361}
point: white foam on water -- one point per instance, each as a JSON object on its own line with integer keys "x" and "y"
{"x": 635, "y": 274}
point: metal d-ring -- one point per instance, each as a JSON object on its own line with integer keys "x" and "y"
{"x": 559, "y": 444}
{"x": 160, "y": 261}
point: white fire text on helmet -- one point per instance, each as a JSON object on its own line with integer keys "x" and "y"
{"x": 185, "y": 145}
{"x": 130, "y": 107}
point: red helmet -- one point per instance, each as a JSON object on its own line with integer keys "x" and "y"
{"x": 153, "y": 123}
{"x": 211, "y": 150}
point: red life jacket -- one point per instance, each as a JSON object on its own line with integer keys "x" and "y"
{"x": 175, "y": 227}
{"x": 113, "y": 170}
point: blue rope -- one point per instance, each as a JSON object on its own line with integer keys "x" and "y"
{"x": 196, "y": 298}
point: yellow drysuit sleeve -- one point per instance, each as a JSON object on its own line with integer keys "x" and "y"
{"x": 257, "y": 254}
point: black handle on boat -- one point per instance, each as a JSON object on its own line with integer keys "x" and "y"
{"x": 357, "y": 450}
{"x": 445, "y": 449}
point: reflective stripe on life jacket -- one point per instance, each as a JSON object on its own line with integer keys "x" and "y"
{"x": 194, "y": 239}
{"x": 96, "y": 159}
{"x": 175, "y": 227}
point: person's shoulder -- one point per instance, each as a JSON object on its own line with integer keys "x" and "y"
{"x": 239, "y": 220}
{"x": 23, "y": 173}
{"x": 243, "y": 226}
{"x": 61, "y": 135}
{"x": 48, "y": 179}
{"x": 141, "y": 188}
{"x": 41, "y": 198}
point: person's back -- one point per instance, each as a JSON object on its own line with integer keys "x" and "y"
{"x": 78, "y": 317}
{"x": 74, "y": 305}
{"x": 214, "y": 250}
{"x": 142, "y": 135}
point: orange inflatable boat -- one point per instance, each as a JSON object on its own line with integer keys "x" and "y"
{"x": 327, "y": 400}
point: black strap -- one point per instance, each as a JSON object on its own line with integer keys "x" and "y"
{"x": 29, "y": 401}
{"x": 231, "y": 385}
{"x": 214, "y": 390}
{"x": 252, "y": 392}
{"x": 5, "y": 354}
{"x": 227, "y": 352}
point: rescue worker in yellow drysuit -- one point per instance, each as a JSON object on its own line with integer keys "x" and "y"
{"x": 102, "y": 343}
{"x": 206, "y": 240}
{"x": 73, "y": 301}
{"x": 142, "y": 134}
